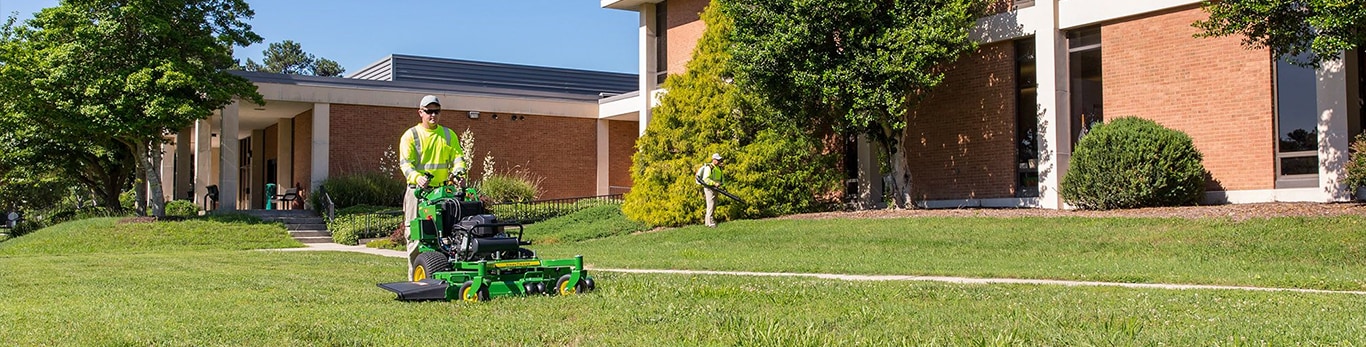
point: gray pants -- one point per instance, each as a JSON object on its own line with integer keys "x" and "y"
{"x": 711, "y": 206}
{"x": 410, "y": 212}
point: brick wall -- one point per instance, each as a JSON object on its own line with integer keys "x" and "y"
{"x": 960, "y": 140}
{"x": 560, "y": 150}
{"x": 621, "y": 141}
{"x": 685, "y": 29}
{"x": 303, "y": 149}
{"x": 1211, "y": 88}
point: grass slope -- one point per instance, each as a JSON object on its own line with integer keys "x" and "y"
{"x": 106, "y": 235}
{"x": 587, "y": 224}
{"x": 1318, "y": 253}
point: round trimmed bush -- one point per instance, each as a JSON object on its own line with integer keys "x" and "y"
{"x": 182, "y": 208}
{"x": 1133, "y": 162}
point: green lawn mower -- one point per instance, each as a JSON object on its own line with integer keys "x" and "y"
{"x": 467, "y": 254}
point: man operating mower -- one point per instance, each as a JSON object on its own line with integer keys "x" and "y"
{"x": 428, "y": 154}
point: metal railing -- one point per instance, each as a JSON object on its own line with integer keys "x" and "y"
{"x": 528, "y": 212}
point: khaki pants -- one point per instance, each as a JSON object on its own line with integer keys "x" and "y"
{"x": 410, "y": 212}
{"x": 711, "y": 206}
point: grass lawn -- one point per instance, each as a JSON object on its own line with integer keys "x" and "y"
{"x": 159, "y": 287}
{"x": 1314, "y": 253}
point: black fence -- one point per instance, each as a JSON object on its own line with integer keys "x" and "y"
{"x": 377, "y": 224}
{"x": 528, "y": 212}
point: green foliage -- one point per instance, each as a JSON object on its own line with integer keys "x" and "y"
{"x": 362, "y": 209}
{"x": 182, "y": 208}
{"x": 386, "y": 244}
{"x": 1289, "y": 28}
{"x": 365, "y": 188}
{"x": 25, "y": 188}
{"x": 125, "y": 73}
{"x": 776, "y": 165}
{"x": 35, "y": 220}
{"x": 1356, "y": 166}
{"x": 509, "y": 187}
{"x": 586, "y": 224}
{"x": 349, "y": 229}
{"x": 1133, "y": 162}
{"x": 859, "y": 65}
{"x": 289, "y": 57}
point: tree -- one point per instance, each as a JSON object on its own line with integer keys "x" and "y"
{"x": 41, "y": 158}
{"x": 288, "y": 57}
{"x": 132, "y": 70}
{"x": 1290, "y": 27}
{"x": 859, "y": 64}
{"x": 778, "y": 165}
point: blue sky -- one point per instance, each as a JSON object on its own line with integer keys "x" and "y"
{"x": 560, "y": 33}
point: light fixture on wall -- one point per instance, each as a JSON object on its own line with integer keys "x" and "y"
{"x": 474, "y": 114}
{"x": 495, "y": 116}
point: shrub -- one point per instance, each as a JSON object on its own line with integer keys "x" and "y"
{"x": 1356, "y": 166}
{"x": 509, "y": 187}
{"x": 1134, "y": 162}
{"x": 182, "y": 208}
{"x": 349, "y": 229}
{"x": 387, "y": 244}
{"x": 369, "y": 188}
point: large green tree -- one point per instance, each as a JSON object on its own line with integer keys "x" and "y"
{"x": 132, "y": 70}
{"x": 859, "y": 64}
{"x": 1290, "y": 27}
{"x": 289, "y": 57}
{"x": 778, "y": 166}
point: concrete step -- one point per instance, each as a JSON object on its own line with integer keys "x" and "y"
{"x": 314, "y": 239}
{"x": 309, "y": 233}
{"x": 310, "y": 226}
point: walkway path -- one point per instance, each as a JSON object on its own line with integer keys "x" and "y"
{"x": 946, "y": 279}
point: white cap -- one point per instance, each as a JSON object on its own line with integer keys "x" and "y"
{"x": 428, "y": 100}
{"x": 715, "y": 156}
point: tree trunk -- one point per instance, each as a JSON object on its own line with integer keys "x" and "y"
{"x": 901, "y": 170}
{"x": 149, "y": 160}
{"x": 139, "y": 179}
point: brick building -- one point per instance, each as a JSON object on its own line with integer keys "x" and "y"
{"x": 544, "y": 120}
{"x": 1000, "y": 130}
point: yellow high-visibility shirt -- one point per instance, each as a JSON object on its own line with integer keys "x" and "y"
{"x": 433, "y": 151}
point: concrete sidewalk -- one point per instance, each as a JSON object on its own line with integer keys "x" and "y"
{"x": 945, "y": 279}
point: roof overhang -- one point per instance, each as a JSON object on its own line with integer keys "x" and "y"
{"x": 629, "y": 5}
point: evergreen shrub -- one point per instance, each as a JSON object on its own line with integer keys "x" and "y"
{"x": 1133, "y": 162}
{"x": 1356, "y": 166}
{"x": 182, "y": 208}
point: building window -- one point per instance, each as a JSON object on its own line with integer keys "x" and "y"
{"x": 1026, "y": 120}
{"x": 661, "y": 42}
{"x": 1084, "y": 68}
{"x": 1297, "y": 139}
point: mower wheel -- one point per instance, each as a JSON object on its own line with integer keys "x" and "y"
{"x": 429, "y": 263}
{"x": 588, "y": 284}
{"x": 466, "y": 295}
{"x": 562, "y": 286}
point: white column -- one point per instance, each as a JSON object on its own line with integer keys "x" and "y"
{"x": 320, "y": 145}
{"x": 256, "y": 184}
{"x": 604, "y": 161}
{"x": 203, "y": 160}
{"x": 284, "y": 153}
{"x": 228, "y": 152}
{"x": 184, "y": 169}
{"x": 167, "y": 172}
{"x": 649, "y": 51}
{"x": 869, "y": 174}
{"x": 1334, "y": 135}
{"x": 1055, "y": 144}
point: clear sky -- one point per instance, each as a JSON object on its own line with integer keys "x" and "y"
{"x": 559, "y": 33}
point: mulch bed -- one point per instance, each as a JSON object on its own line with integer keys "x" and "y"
{"x": 1237, "y": 212}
